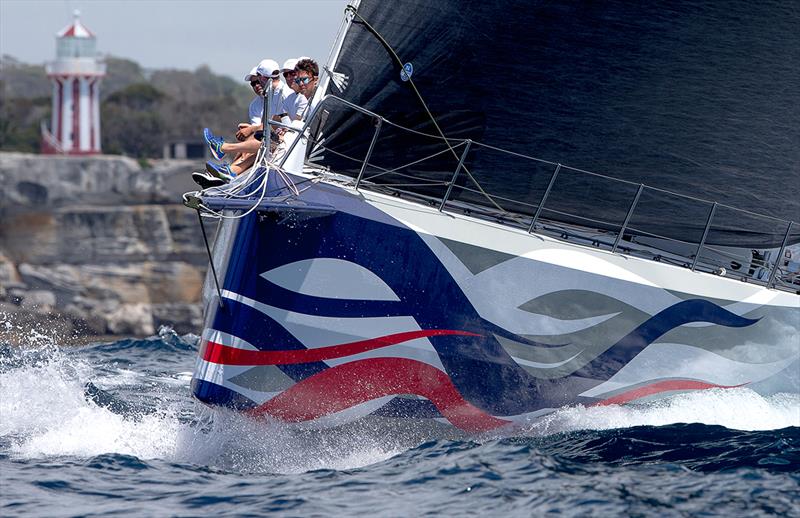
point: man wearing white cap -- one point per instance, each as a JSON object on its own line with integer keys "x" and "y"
{"x": 218, "y": 174}
{"x": 265, "y": 71}
{"x": 259, "y": 77}
{"x": 296, "y": 102}
{"x": 254, "y": 110}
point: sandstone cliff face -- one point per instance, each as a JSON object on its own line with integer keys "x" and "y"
{"x": 97, "y": 246}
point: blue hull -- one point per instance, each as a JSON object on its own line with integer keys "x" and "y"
{"x": 340, "y": 308}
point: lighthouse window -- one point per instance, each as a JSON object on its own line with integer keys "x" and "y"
{"x": 76, "y": 48}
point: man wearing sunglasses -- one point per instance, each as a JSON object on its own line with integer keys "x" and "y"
{"x": 265, "y": 72}
{"x": 244, "y": 154}
{"x": 248, "y": 145}
{"x": 296, "y": 102}
{"x": 219, "y": 174}
{"x": 306, "y": 78}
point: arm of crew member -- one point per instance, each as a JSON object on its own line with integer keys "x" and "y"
{"x": 246, "y": 130}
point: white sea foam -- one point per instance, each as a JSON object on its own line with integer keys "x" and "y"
{"x": 739, "y": 409}
{"x": 234, "y": 442}
{"x": 44, "y": 412}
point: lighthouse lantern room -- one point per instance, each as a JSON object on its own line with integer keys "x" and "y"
{"x": 76, "y": 74}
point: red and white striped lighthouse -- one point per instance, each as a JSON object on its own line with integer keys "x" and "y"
{"x": 76, "y": 74}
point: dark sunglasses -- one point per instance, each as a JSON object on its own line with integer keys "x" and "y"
{"x": 302, "y": 80}
{"x": 253, "y": 83}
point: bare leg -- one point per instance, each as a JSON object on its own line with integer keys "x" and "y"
{"x": 243, "y": 162}
{"x": 248, "y": 146}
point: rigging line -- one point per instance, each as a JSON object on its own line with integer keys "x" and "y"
{"x": 387, "y": 171}
{"x": 423, "y": 134}
{"x": 210, "y": 259}
{"x": 421, "y": 100}
{"x": 263, "y": 188}
{"x": 411, "y": 184}
{"x": 423, "y": 181}
{"x": 232, "y": 191}
{"x": 415, "y": 162}
{"x": 620, "y": 180}
{"x": 514, "y": 153}
{"x": 727, "y": 254}
{"x": 503, "y": 198}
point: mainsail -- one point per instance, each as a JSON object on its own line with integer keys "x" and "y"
{"x": 684, "y": 96}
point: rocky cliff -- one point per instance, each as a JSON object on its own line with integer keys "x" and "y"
{"x": 97, "y": 246}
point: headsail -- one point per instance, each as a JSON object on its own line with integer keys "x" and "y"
{"x": 689, "y": 97}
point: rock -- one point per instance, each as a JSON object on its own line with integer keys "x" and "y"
{"x": 100, "y": 243}
{"x": 42, "y": 301}
{"x": 57, "y": 278}
{"x": 54, "y": 180}
{"x": 93, "y": 294}
{"x": 22, "y": 327}
{"x": 16, "y": 295}
{"x": 89, "y": 315}
{"x": 131, "y": 319}
{"x": 76, "y": 235}
{"x": 93, "y": 281}
{"x": 183, "y": 318}
{"x": 8, "y": 273}
{"x": 173, "y": 282}
{"x": 9, "y": 277}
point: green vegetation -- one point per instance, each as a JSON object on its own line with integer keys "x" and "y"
{"x": 141, "y": 110}
{"x": 19, "y": 122}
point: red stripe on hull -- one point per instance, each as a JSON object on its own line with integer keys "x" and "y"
{"x": 344, "y": 386}
{"x": 661, "y": 386}
{"x": 217, "y": 353}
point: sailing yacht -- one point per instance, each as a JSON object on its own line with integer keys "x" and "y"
{"x": 410, "y": 257}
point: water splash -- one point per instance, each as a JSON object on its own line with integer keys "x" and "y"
{"x": 45, "y": 411}
{"x": 132, "y": 398}
{"x": 67, "y": 402}
{"x": 738, "y": 409}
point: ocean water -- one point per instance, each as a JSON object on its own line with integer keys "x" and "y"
{"x": 110, "y": 429}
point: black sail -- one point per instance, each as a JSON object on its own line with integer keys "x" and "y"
{"x": 698, "y": 98}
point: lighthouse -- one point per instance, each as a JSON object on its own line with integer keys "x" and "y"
{"x": 76, "y": 74}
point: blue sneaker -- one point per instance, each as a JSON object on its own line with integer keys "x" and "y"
{"x": 221, "y": 171}
{"x": 214, "y": 143}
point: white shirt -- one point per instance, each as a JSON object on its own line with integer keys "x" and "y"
{"x": 278, "y": 101}
{"x": 255, "y": 110}
{"x": 277, "y": 104}
{"x": 295, "y": 104}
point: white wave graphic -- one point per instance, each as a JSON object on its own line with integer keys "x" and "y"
{"x": 669, "y": 360}
{"x": 331, "y": 278}
{"x": 496, "y": 293}
{"x": 221, "y": 374}
{"x": 212, "y": 335}
{"x": 315, "y": 331}
{"x": 540, "y": 365}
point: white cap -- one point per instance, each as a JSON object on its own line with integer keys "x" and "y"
{"x": 268, "y": 68}
{"x": 301, "y": 58}
{"x": 289, "y": 64}
{"x": 252, "y": 75}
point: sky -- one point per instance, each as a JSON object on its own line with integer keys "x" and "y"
{"x": 230, "y": 36}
